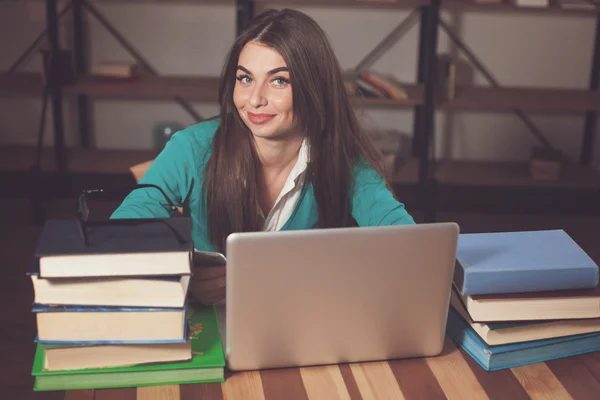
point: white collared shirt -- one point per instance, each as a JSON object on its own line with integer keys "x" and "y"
{"x": 289, "y": 195}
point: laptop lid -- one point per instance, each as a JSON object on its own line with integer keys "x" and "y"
{"x": 328, "y": 296}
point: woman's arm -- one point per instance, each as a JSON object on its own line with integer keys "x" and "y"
{"x": 173, "y": 171}
{"x": 373, "y": 204}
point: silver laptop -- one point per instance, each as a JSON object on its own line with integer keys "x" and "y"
{"x": 328, "y": 296}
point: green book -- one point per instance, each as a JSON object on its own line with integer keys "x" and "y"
{"x": 207, "y": 364}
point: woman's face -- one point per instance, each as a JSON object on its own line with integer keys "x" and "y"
{"x": 263, "y": 93}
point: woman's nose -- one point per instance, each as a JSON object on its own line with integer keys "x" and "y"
{"x": 258, "y": 99}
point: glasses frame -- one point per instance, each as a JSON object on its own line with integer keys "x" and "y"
{"x": 83, "y": 213}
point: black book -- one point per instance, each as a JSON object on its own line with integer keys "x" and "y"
{"x": 115, "y": 247}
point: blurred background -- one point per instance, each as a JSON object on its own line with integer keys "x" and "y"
{"x": 540, "y": 53}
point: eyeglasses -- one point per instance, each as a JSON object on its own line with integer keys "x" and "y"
{"x": 83, "y": 212}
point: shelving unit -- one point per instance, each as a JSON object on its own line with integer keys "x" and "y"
{"x": 419, "y": 171}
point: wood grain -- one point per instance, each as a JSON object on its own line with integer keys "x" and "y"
{"x": 575, "y": 377}
{"x": 201, "y": 391}
{"x": 592, "y": 363}
{"x": 376, "y": 380}
{"x": 540, "y": 382}
{"x": 166, "y": 392}
{"x": 116, "y": 394}
{"x": 80, "y": 395}
{"x": 416, "y": 379}
{"x": 243, "y": 385}
{"x": 283, "y": 383}
{"x": 350, "y": 382}
{"x": 498, "y": 385}
{"x": 324, "y": 382}
{"x": 454, "y": 374}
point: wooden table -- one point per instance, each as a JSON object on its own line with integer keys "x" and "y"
{"x": 452, "y": 375}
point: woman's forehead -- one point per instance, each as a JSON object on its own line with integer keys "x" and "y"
{"x": 259, "y": 58}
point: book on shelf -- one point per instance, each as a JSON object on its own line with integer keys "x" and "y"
{"x": 109, "y": 325}
{"x": 520, "y": 262}
{"x": 493, "y": 358}
{"x": 496, "y": 333}
{"x": 446, "y": 77}
{"x": 115, "y": 71}
{"x": 116, "y": 247}
{"x": 206, "y": 364}
{"x": 386, "y": 84}
{"x": 167, "y": 291}
{"x": 532, "y": 3}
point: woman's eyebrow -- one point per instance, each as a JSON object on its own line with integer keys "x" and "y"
{"x": 271, "y": 72}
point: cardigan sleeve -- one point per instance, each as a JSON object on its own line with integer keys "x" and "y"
{"x": 373, "y": 204}
{"x": 172, "y": 171}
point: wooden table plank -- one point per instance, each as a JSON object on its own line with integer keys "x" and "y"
{"x": 591, "y": 362}
{"x": 416, "y": 379}
{"x": 575, "y": 377}
{"x": 243, "y": 385}
{"x": 327, "y": 382}
{"x": 454, "y": 374}
{"x": 86, "y": 394}
{"x": 116, "y": 394}
{"x": 499, "y": 385}
{"x": 350, "y": 382}
{"x": 201, "y": 391}
{"x": 283, "y": 383}
{"x": 540, "y": 382}
{"x": 376, "y": 380}
{"x": 164, "y": 392}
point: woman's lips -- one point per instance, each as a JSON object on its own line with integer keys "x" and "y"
{"x": 260, "y": 119}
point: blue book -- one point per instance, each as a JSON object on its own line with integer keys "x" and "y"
{"x": 520, "y": 262}
{"x": 493, "y": 358}
{"x": 109, "y": 325}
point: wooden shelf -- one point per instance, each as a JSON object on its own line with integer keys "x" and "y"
{"x": 21, "y": 85}
{"x": 524, "y": 98}
{"x": 507, "y": 6}
{"x": 198, "y": 89}
{"x": 351, "y": 3}
{"x": 19, "y": 158}
{"x": 406, "y": 172}
{"x": 149, "y": 87}
{"x": 510, "y": 174}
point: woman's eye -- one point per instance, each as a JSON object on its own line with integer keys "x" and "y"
{"x": 244, "y": 79}
{"x": 280, "y": 81}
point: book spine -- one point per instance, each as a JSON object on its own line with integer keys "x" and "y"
{"x": 527, "y": 281}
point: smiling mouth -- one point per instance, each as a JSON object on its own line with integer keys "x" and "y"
{"x": 260, "y": 119}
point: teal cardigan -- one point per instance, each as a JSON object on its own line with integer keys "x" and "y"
{"x": 179, "y": 170}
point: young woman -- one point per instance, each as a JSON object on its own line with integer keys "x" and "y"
{"x": 285, "y": 153}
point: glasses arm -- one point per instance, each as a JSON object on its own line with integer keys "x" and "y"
{"x": 172, "y": 205}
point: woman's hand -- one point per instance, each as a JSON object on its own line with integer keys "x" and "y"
{"x": 207, "y": 285}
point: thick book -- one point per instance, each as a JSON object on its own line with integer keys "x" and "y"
{"x": 72, "y": 357}
{"x": 493, "y": 358}
{"x": 519, "y": 262}
{"x": 116, "y": 247}
{"x": 206, "y": 365}
{"x": 550, "y": 305}
{"x": 496, "y": 333}
{"x": 109, "y": 325}
{"x": 167, "y": 291}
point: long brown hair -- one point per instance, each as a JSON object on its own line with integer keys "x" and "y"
{"x": 321, "y": 108}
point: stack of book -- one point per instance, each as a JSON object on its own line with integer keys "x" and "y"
{"x": 523, "y": 297}
{"x": 372, "y": 84}
{"x": 112, "y": 312}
